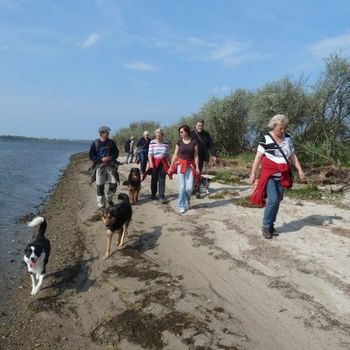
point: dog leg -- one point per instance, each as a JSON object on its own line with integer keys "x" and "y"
{"x": 33, "y": 283}
{"x": 121, "y": 239}
{"x": 108, "y": 245}
{"x": 38, "y": 286}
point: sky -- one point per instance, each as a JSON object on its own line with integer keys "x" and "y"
{"x": 70, "y": 66}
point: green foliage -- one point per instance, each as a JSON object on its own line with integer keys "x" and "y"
{"x": 329, "y": 126}
{"x": 280, "y": 97}
{"x": 228, "y": 119}
{"x": 319, "y": 117}
{"x": 135, "y": 129}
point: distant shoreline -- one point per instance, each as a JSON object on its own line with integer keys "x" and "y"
{"x": 44, "y": 139}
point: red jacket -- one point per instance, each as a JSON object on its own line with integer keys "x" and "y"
{"x": 268, "y": 168}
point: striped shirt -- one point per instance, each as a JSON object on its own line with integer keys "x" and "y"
{"x": 158, "y": 150}
{"x": 271, "y": 151}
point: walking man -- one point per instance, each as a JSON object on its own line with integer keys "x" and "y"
{"x": 104, "y": 153}
{"x": 205, "y": 145}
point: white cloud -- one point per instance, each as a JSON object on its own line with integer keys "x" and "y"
{"x": 323, "y": 48}
{"x": 91, "y": 40}
{"x": 141, "y": 66}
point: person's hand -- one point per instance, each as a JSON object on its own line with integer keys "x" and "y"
{"x": 150, "y": 164}
{"x": 198, "y": 171}
{"x": 252, "y": 179}
{"x": 214, "y": 160}
{"x": 106, "y": 159}
{"x": 301, "y": 174}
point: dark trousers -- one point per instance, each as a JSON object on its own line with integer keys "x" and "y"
{"x": 143, "y": 160}
{"x": 158, "y": 181}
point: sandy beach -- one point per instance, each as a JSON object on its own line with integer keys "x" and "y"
{"x": 206, "y": 279}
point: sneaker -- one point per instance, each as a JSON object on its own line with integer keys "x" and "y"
{"x": 273, "y": 231}
{"x": 198, "y": 195}
{"x": 182, "y": 210}
{"x": 154, "y": 197}
{"x": 266, "y": 233}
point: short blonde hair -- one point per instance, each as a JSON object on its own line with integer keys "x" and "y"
{"x": 278, "y": 118}
{"x": 159, "y": 131}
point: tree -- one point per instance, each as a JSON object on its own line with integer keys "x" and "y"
{"x": 329, "y": 128}
{"x": 280, "y": 97}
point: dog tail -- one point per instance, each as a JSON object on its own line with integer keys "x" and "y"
{"x": 39, "y": 220}
{"x": 123, "y": 197}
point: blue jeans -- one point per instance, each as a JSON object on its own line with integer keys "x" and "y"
{"x": 274, "y": 191}
{"x": 186, "y": 182}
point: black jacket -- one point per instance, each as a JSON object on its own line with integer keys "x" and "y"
{"x": 205, "y": 144}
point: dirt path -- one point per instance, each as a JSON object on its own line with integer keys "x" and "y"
{"x": 202, "y": 280}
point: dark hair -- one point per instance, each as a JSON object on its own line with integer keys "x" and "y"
{"x": 200, "y": 121}
{"x": 186, "y": 128}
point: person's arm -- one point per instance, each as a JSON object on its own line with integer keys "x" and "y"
{"x": 196, "y": 158}
{"x": 254, "y": 175}
{"x": 150, "y": 155}
{"x": 173, "y": 159}
{"x": 93, "y": 153}
{"x": 115, "y": 151}
{"x": 297, "y": 165}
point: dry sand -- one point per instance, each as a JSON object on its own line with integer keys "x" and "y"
{"x": 206, "y": 279}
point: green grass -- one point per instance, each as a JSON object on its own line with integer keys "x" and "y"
{"x": 312, "y": 192}
{"x": 223, "y": 194}
{"x": 308, "y": 192}
{"x": 245, "y": 202}
{"x": 226, "y": 177}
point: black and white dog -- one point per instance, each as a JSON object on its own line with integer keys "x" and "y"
{"x": 36, "y": 254}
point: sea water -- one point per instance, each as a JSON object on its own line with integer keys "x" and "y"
{"x": 29, "y": 169}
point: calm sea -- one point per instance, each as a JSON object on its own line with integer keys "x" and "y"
{"x": 29, "y": 169}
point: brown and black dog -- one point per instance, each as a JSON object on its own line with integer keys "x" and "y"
{"x": 134, "y": 184}
{"x": 116, "y": 219}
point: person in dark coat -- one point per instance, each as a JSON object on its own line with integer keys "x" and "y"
{"x": 205, "y": 146}
{"x": 142, "y": 147}
{"x": 205, "y": 143}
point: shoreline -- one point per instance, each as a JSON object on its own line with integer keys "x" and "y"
{"x": 19, "y": 270}
{"x": 205, "y": 279}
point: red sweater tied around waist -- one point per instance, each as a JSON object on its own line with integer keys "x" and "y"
{"x": 184, "y": 164}
{"x": 268, "y": 168}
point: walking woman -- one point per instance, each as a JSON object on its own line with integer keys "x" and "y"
{"x": 158, "y": 154}
{"x": 274, "y": 152}
{"x": 185, "y": 162}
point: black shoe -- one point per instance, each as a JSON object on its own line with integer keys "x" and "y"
{"x": 266, "y": 233}
{"x": 110, "y": 203}
{"x": 198, "y": 195}
{"x": 273, "y": 231}
{"x": 162, "y": 200}
{"x": 154, "y": 197}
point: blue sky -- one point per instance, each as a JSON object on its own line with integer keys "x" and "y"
{"x": 69, "y": 66}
